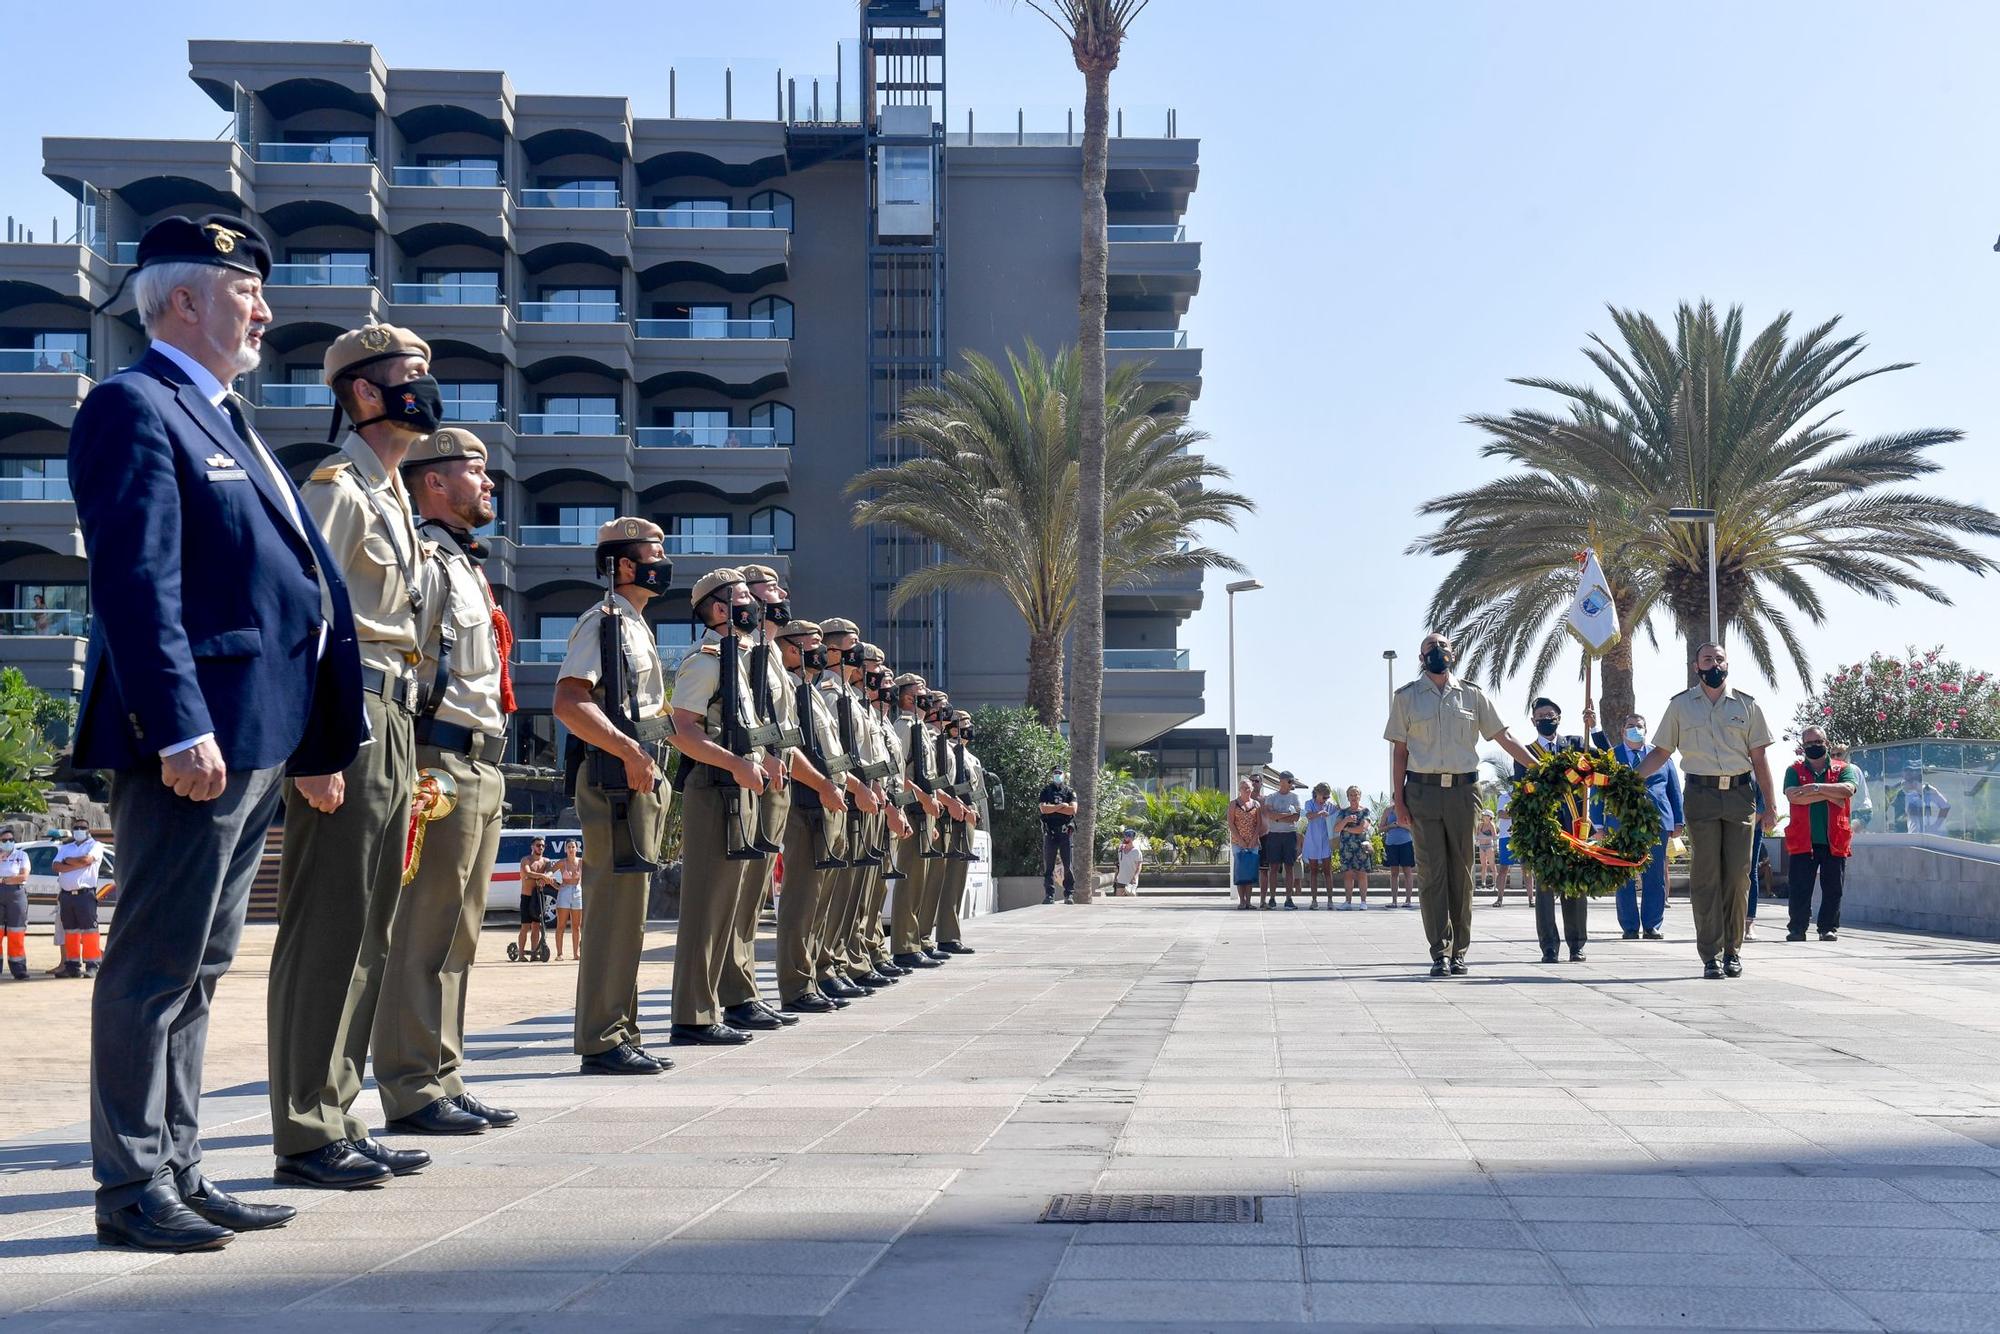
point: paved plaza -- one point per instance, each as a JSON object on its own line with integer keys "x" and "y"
{"x": 1613, "y": 1143}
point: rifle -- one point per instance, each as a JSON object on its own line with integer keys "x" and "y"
{"x": 740, "y": 825}
{"x": 965, "y": 794}
{"x": 957, "y": 838}
{"x": 857, "y": 823}
{"x": 620, "y": 704}
{"x": 924, "y": 776}
{"x": 832, "y": 766}
{"x": 767, "y": 731}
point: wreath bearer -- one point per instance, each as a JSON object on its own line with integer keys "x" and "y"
{"x": 1546, "y": 714}
{"x": 1435, "y": 725}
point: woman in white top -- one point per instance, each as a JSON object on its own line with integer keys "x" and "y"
{"x": 569, "y": 900}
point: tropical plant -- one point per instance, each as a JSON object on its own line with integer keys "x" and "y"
{"x": 996, "y": 485}
{"x": 27, "y": 757}
{"x": 1018, "y": 751}
{"x": 1192, "y": 822}
{"x": 1698, "y": 418}
{"x": 1117, "y": 795}
{"x": 1919, "y": 696}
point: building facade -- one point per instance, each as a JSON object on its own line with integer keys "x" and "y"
{"x": 672, "y": 317}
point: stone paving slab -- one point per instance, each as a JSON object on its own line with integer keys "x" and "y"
{"x": 1612, "y": 1144}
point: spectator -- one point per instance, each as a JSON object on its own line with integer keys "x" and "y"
{"x": 1357, "y": 858}
{"x": 1125, "y": 879}
{"x": 1642, "y": 900}
{"x": 535, "y": 877}
{"x": 1246, "y": 834}
{"x": 75, "y": 865}
{"x": 1863, "y": 805}
{"x": 1504, "y": 824}
{"x": 1917, "y": 807}
{"x": 44, "y": 622}
{"x": 569, "y": 900}
{"x": 1399, "y": 854}
{"x": 1317, "y": 848}
{"x": 1820, "y": 836}
{"x": 1280, "y": 843}
{"x": 1486, "y": 843}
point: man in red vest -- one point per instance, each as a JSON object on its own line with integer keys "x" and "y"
{"x": 1820, "y": 835}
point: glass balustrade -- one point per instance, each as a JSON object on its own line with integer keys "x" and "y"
{"x": 570, "y": 312}
{"x": 705, "y": 218}
{"x": 707, "y": 437}
{"x": 1145, "y": 340}
{"x": 1143, "y": 231}
{"x": 295, "y": 396}
{"x": 541, "y": 650}
{"x": 449, "y": 177}
{"x": 1939, "y": 790}
{"x": 570, "y": 196}
{"x": 339, "y": 153}
{"x": 721, "y": 544}
{"x": 558, "y": 534}
{"x": 1145, "y": 660}
{"x": 44, "y": 361}
{"x": 35, "y": 488}
{"x": 708, "y": 328}
{"x": 443, "y": 294}
{"x": 571, "y": 423}
{"x": 45, "y": 622}
{"x": 323, "y": 274}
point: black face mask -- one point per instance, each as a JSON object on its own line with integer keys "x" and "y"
{"x": 965, "y": 734}
{"x": 778, "y": 612}
{"x": 1815, "y": 752}
{"x": 1713, "y": 677}
{"x": 886, "y": 693}
{"x": 417, "y": 404}
{"x": 923, "y": 703}
{"x": 813, "y": 658}
{"x": 744, "y": 616}
{"x": 653, "y": 575}
{"x": 1436, "y": 660}
{"x": 1546, "y": 726}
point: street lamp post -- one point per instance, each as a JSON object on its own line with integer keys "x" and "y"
{"x": 1389, "y": 661}
{"x": 1240, "y": 586}
{"x": 1707, "y": 517}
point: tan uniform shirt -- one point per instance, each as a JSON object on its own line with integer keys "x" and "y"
{"x": 472, "y": 695}
{"x": 698, "y": 684}
{"x": 645, "y": 676}
{"x": 890, "y": 738}
{"x": 1714, "y": 739}
{"x": 364, "y": 513}
{"x": 1442, "y": 728}
{"x": 779, "y": 682}
{"x": 866, "y": 748}
{"x": 980, "y": 797}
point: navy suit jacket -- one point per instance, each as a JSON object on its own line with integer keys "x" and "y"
{"x": 204, "y": 596}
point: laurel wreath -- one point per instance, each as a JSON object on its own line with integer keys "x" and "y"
{"x": 1583, "y": 823}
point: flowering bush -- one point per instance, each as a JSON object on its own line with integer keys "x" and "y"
{"x": 1918, "y": 696}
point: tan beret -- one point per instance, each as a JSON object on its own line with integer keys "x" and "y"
{"x": 625, "y": 528}
{"x": 759, "y": 574}
{"x": 797, "y": 629}
{"x": 444, "y": 445}
{"x": 714, "y": 579}
{"x": 838, "y": 625}
{"x": 869, "y": 653}
{"x": 370, "y": 343}
{"x": 961, "y": 716}
{"x": 908, "y": 679}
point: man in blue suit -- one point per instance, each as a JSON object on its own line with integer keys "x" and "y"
{"x": 1642, "y": 900}
{"x": 222, "y": 657}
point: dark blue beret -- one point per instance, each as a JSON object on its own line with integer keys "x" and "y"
{"x": 219, "y": 239}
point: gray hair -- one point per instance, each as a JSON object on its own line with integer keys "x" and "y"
{"x": 153, "y": 288}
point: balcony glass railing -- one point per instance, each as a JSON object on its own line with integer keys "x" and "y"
{"x": 473, "y": 410}
{"x": 572, "y": 423}
{"x": 1146, "y": 231}
{"x": 320, "y": 275}
{"x": 721, "y": 544}
{"x": 707, "y": 437}
{"x": 541, "y": 650}
{"x": 449, "y": 177}
{"x": 1145, "y": 660}
{"x": 45, "y": 622}
{"x": 443, "y": 294}
{"x": 708, "y": 328}
{"x": 1145, "y": 340}
{"x": 44, "y": 361}
{"x": 1943, "y": 790}
{"x": 35, "y": 488}
{"x": 570, "y": 312}
{"x": 708, "y": 218}
{"x": 570, "y": 196}
{"x": 557, "y": 535}
{"x": 295, "y": 396}
{"x": 124, "y": 252}
{"x": 347, "y": 153}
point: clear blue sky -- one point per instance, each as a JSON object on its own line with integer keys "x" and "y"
{"x": 1400, "y": 206}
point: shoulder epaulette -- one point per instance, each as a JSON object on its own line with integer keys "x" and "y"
{"x": 326, "y": 472}
{"x": 712, "y": 650}
{"x": 1746, "y": 695}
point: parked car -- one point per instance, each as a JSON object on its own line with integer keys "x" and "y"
{"x": 503, "y": 891}
{"x": 42, "y": 882}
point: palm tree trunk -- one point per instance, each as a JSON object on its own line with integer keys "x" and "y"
{"x": 1045, "y": 676}
{"x": 1087, "y": 685}
{"x": 1618, "y": 702}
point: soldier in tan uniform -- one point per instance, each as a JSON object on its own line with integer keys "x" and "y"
{"x": 712, "y": 778}
{"x": 978, "y": 815}
{"x": 461, "y": 731}
{"x": 342, "y": 869}
{"x": 1435, "y": 725}
{"x": 631, "y": 557}
{"x": 841, "y": 641}
{"x": 922, "y": 858}
{"x": 1723, "y": 740}
{"x": 950, "y": 869}
{"x": 864, "y": 951}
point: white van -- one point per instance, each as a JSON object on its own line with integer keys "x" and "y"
{"x": 503, "y": 891}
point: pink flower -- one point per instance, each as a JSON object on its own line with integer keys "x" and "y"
{"x": 1826, "y": 711}
{"x": 1961, "y": 713}
{"x": 1912, "y": 681}
{"x": 1881, "y": 717}
{"x": 1949, "y": 688}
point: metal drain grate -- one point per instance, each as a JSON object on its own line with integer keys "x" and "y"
{"x": 1090, "y": 1208}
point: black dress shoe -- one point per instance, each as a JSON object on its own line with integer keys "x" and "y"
{"x": 846, "y": 988}
{"x": 1548, "y": 956}
{"x": 810, "y": 1002}
{"x": 159, "y": 1221}
{"x": 402, "y": 1162}
{"x": 1732, "y": 966}
{"x": 493, "y": 1116}
{"x": 1438, "y": 968}
{"x": 1829, "y": 935}
{"x": 1795, "y": 935}
{"x": 1458, "y": 968}
{"x": 335, "y": 1166}
{"x": 623, "y": 1059}
{"x": 1576, "y": 956}
{"x": 770, "y": 1012}
{"x": 749, "y": 1018}
{"x": 942, "y": 956}
{"x": 227, "y": 1211}
{"x": 1653, "y": 935}
{"x": 890, "y": 969}
{"x": 709, "y": 1035}
{"x": 441, "y": 1116}
{"x": 1631, "y": 935}
{"x": 956, "y": 947}
{"x": 1711, "y": 969}
{"x": 915, "y": 961}
{"x": 833, "y": 1000}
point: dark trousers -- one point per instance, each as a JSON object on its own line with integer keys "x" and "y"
{"x": 77, "y": 909}
{"x": 184, "y": 873}
{"x": 1832, "y": 874}
{"x": 1056, "y": 846}
{"x": 1575, "y": 920}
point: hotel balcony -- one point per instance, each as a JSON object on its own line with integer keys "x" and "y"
{"x": 450, "y": 202}
{"x": 41, "y": 389}
{"x": 1147, "y": 692}
{"x": 744, "y": 356}
{"x": 65, "y": 271}
{"x": 1154, "y": 267}
{"x": 192, "y": 175}
{"x": 342, "y": 295}
{"x": 586, "y": 446}
{"x": 39, "y": 513}
{"x": 573, "y": 219}
{"x": 1169, "y": 358}
{"x": 48, "y": 647}
{"x": 742, "y": 463}
{"x": 738, "y": 249}
{"x": 311, "y": 185}
{"x": 554, "y": 336}
{"x": 455, "y": 313}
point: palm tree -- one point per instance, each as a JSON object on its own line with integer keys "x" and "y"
{"x": 996, "y": 484}
{"x": 1095, "y": 30}
{"x": 1699, "y": 419}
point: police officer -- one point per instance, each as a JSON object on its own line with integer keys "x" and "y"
{"x": 461, "y": 731}
{"x": 14, "y": 904}
{"x": 631, "y": 558}
{"x": 922, "y": 860}
{"x": 1723, "y": 741}
{"x": 76, "y": 864}
{"x": 949, "y": 932}
{"x": 1435, "y": 724}
{"x": 345, "y": 833}
{"x": 1058, "y": 808}
{"x": 714, "y": 781}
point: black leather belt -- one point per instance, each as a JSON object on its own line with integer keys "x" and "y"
{"x": 1720, "y": 782}
{"x": 1442, "y": 780}
{"x": 479, "y": 747}
{"x": 400, "y": 689}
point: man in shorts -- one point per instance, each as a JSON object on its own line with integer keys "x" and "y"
{"x": 537, "y": 875}
{"x": 1280, "y": 846}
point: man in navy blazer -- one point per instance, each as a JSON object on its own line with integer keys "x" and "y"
{"x": 222, "y": 657}
{"x": 1642, "y": 901}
